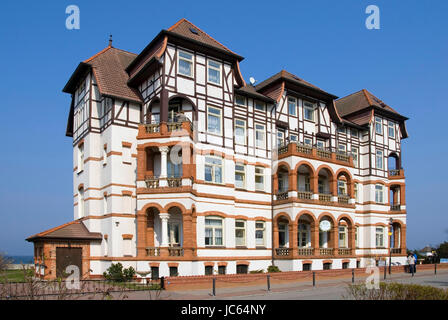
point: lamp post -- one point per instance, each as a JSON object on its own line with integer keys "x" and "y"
{"x": 390, "y": 244}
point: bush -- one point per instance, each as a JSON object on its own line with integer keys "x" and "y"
{"x": 257, "y": 271}
{"x": 397, "y": 291}
{"x": 117, "y": 273}
{"x": 273, "y": 269}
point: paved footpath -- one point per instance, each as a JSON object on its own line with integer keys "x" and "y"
{"x": 324, "y": 289}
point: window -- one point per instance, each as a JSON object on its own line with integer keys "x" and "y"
{"x": 221, "y": 269}
{"x": 342, "y": 237}
{"x": 240, "y": 100}
{"x": 354, "y": 133}
{"x": 379, "y": 159}
{"x": 173, "y": 272}
{"x": 260, "y": 136}
{"x": 342, "y": 187}
{"x": 213, "y": 231}
{"x": 320, "y": 144}
{"x": 378, "y": 125}
{"x": 307, "y": 267}
{"x": 240, "y": 233}
{"x": 308, "y": 141}
{"x": 259, "y": 233}
{"x": 242, "y": 269}
{"x": 341, "y": 130}
{"x": 104, "y": 155}
{"x": 391, "y": 127}
{"x": 259, "y": 178}
{"x": 304, "y": 235}
{"x": 308, "y": 111}
{"x": 355, "y": 156}
{"x": 214, "y": 72}
{"x": 282, "y": 234}
{"x": 357, "y": 237}
{"x": 292, "y": 106}
{"x": 240, "y": 176}
{"x": 213, "y": 170}
{"x": 208, "y": 270}
{"x": 356, "y": 192}
{"x": 260, "y": 106}
{"x": 81, "y": 158}
{"x": 293, "y": 138}
{"x": 379, "y": 237}
{"x": 127, "y": 247}
{"x": 81, "y": 203}
{"x": 379, "y": 193}
{"x": 214, "y": 120}
{"x": 154, "y": 273}
{"x": 327, "y": 266}
{"x": 185, "y": 62}
{"x": 341, "y": 148}
{"x": 240, "y": 131}
{"x": 280, "y": 137}
{"x": 345, "y": 265}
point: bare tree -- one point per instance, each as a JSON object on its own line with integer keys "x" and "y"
{"x": 3, "y": 262}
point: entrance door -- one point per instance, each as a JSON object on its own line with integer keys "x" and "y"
{"x": 66, "y": 257}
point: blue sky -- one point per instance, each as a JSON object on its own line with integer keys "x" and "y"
{"x": 405, "y": 64}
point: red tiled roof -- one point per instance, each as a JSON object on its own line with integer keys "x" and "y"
{"x": 71, "y": 230}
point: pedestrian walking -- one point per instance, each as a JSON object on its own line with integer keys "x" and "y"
{"x": 411, "y": 262}
{"x": 415, "y": 263}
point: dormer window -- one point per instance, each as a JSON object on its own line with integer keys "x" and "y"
{"x": 185, "y": 63}
{"x": 214, "y": 72}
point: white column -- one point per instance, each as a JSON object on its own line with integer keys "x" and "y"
{"x": 163, "y": 161}
{"x": 164, "y": 217}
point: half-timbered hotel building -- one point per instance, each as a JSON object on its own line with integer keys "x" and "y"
{"x": 180, "y": 167}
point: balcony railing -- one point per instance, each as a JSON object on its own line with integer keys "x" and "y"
{"x": 323, "y": 153}
{"x": 395, "y": 250}
{"x": 303, "y": 148}
{"x": 344, "y": 251}
{"x": 342, "y": 156}
{"x": 326, "y": 251}
{"x": 174, "y": 182}
{"x": 152, "y": 127}
{"x": 176, "y": 252}
{"x": 324, "y": 197}
{"x": 395, "y": 207}
{"x": 394, "y": 172}
{"x": 282, "y": 195}
{"x": 343, "y": 199}
{"x": 305, "y": 251}
{"x": 153, "y": 252}
{"x": 283, "y": 252}
{"x": 149, "y": 130}
{"x": 282, "y": 149}
{"x": 304, "y": 195}
{"x": 152, "y": 182}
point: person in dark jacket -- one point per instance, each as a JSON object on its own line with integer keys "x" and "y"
{"x": 415, "y": 264}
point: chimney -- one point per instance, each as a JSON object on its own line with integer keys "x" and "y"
{"x": 110, "y": 41}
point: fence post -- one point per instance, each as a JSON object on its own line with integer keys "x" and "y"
{"x": 162, "y": 283}
{"x": 353, "y": 275}
{"x": 314, "y": 279}
{"x": 214, "y": 286}
{"x": 269, "y": 282}
{"x": 385, "y": 269}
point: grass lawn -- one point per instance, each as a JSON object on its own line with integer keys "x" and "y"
{"x": 12, "y": 276}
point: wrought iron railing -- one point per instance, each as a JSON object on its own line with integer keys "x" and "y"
{"x": 394, "y": 172}
{"x": 282, "y": 251}
{"x": 396, "y": 250}
{"x": 282, "y": 195}
{"x": 395, "y": 207}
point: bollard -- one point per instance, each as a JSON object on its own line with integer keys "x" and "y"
{"x": 385, "y": 269}
{"x": 214, "y": 286}
{"x": 435, "y": 268}
{"x": 269, "y": 282}
{"x": 353, "y": 275}
{"x": 314, "y": 279}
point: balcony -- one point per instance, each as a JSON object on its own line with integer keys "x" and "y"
{"x": 396, "y": 174}
{"x": 305, "y": 251}
{"x": 181, "y": 127}
{"x": 343, "y": 199}
{"x": 395, "y": 207}
{"x": 176, "y": 252}
{"x": 344, "y": 251}
{"x": 152, "y": 252}
{"x": 283, "y": 252}
{"x": 324, "y": 197}
{"x": 282, "y": 195}
{"x": 326, "y": 251}
{"x": 155, "y": 184}
{"x": 308, "y": 151}
{"x": 304, "y": 195}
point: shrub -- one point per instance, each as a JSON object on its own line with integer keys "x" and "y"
{"x": 116, "y": 273}
{"x": 396, "y": 291}
{"x": 273, "y": 269}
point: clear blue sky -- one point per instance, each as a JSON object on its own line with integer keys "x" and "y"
{"x": 326, "y": 42}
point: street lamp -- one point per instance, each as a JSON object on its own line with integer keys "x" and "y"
{"x": 390, "y": 244}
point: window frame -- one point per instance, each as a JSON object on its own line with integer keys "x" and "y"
{"x": 179, "y": 58}
{"x": 379, "y": 194}
{"x": 213, "y": 166}
{"x": 391, "y": 128}
{"x": 260, "y": 103}
{"x": 257, "y": 130}
{"x": 355, "y": 159}
{"x": 378, "y": 125}
{"x": 211, "y": 114}
{"x": 219, "y": 69}
{"x": 81, "y": 157}
{"x": 240, "y": 96}
{"x": 243, "y": 228}
{"x": 294, "y": 101}
{"x": 260, "y": 175}
{"x": 244, "y": 129}
{"x": 307, "y": 105}
{"x": 213, "y": 228}
{"x": 379, "y": 237}
{"x": 241, "y": 172}
{"x": 263, "y": 230}
{"x": 379, "y": 155}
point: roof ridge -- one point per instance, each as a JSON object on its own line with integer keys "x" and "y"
{"x": 367, "y": 97}
{"x": 205, "y": 33}
{"x": 97, "y": 54}
{"x": 349, "y": 95}
{"x": 125, "y": 51}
